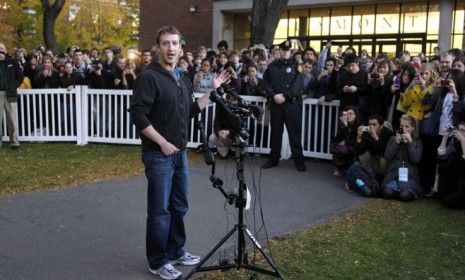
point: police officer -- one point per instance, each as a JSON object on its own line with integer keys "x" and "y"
{"x": 282, "y": 84}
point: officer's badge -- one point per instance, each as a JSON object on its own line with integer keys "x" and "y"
{"x": 288, "y": 70}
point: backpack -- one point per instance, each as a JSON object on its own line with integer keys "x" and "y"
{"x": 361, "y": 180}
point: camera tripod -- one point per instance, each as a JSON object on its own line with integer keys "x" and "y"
{"x": 241, "y": 261}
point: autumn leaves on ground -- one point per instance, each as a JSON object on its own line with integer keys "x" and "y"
{"x": 382, "y": 240}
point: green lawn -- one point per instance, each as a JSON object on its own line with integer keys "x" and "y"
{"x": 48, "y": 166}
{"x": 383, "y": 240}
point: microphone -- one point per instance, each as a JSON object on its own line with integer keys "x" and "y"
{"x": 214, "y": 97}
{"x": 229, "y": 89}
{"x": 208, "y": 155}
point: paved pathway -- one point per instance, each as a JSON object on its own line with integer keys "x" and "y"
{"x": 97, "y": 231}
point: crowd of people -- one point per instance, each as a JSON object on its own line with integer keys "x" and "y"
{"x": 396, "y": 112}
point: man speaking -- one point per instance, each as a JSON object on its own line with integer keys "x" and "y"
{"x": 161, "y": 108}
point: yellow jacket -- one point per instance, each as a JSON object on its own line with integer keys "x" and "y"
{"x": 412, "y": 101}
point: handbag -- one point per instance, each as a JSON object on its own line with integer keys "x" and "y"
{"x": 429, "y": 126}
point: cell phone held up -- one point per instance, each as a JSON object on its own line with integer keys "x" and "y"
{"x": 445, "y": 82}
{"x": 374, "y": 76}
{"x": 400, "y": 130}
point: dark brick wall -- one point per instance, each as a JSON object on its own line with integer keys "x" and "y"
{"x": 195, "y": 27}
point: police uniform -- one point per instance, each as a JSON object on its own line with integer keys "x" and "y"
{"x": 282, "y": 76}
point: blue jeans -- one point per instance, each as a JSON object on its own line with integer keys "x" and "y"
{"x": 168, "y": 178}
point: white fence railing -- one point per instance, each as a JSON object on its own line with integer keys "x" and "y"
{"x": 85, "y": 115}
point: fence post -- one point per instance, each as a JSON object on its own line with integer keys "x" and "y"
{"x": 81, "y": 114}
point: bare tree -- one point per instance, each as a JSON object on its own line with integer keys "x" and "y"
{"x": 265, "y": 18}
{"x": 51, "y": 12}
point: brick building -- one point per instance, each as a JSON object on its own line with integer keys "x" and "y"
{"x": 192, "y": 18}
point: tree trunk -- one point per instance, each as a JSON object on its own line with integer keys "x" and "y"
{"x": 51, "y": 13}
{"x": 265, "y": 18}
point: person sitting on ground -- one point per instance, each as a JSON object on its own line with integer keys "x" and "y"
{"x": 343, "y": 145}
{"x": 371, "y": 145}
{"x": 402, "y": 154}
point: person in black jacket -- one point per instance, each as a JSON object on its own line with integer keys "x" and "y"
{"x": 10, "y": 79}
{"x": 343, "y": 145}
{"x": 161, "y": 107}
{"x": 283, "y": 88}
{"x": 371, "y": 144}
{"x": 327, "y": 82}
{"x": 223, "y": 130}
{"x": 351, "y": 83}
{"x": 451, "y": 156}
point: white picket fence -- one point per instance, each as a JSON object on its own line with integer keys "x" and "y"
{"x": 85, "y": 115}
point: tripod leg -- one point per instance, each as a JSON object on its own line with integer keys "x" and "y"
{"x": 199, "y": 265}
{"x": 268, "y": 259}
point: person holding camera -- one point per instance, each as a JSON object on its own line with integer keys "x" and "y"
{"x": 351, "y": 85}
{"x": 48, "y": 76}
{"x": 371, "y": 144}
{"x": 379, "y": 88}
{"x": 399, "y": 86}
{"x": 343, "y": 145}
{"x": 327, "y": 82}
{"x": 203, "y": 80}
{"x": 451, "y": 164}
{"x": 251, "y": 83}
{"x": 403, "y": 153}
{"x": 283, "y": 88}
{"x": 444, "y": 96}
{"x": 421, "y": 85}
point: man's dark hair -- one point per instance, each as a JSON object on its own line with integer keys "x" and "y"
{"x": 435, "y": 57}
{"x": 377, "y": 117}
{"x": 167, "y": 29}
{"x": 331, "y": 59}
{"x": 211, "y": 54}
{"x": 250, "y": 64}
{"x": 146, "y": 50}
{"x": 260, "y": 53}
{"x": 455, "y": 52}
{"x": 385, "y": 61}
{"x": 78, "y": 51}
{"x": 350, "y": 58}
{"x": 221, "y": 44}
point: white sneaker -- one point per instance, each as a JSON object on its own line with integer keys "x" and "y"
{"x": 167, "y": 272}
{"x": 187, "y": 259}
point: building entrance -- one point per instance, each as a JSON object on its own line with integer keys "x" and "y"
{"x": 390, "y": 44}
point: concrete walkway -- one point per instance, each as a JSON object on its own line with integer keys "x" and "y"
{"x": 97, "y": 231}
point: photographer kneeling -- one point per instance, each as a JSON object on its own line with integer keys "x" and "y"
{"x": 451, "y": 165}
{"x": 371, "y": 144}
{"x": 403, "y": 153}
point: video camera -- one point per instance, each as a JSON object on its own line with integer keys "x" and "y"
{"x": 236, "y": 113}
